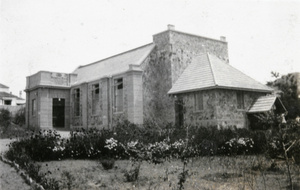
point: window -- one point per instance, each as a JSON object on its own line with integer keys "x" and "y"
{"x": 179, "y": 112}
{"x": 118, "y": 95}
{"x": 76, "y": 99}
{"x": 33, "y": 107}
{"x": 240, "y": 100}
{"x": 95, "y": 99}
{"x": 7, "y": 102}
{"x": 198, "y": 101}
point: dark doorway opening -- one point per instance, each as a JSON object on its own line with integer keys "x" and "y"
{"x": 179, "y": 112}
{"x": 58, "y": 112}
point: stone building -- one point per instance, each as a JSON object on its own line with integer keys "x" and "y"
{"x": 179, "y": 77}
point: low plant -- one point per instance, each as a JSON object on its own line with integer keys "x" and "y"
{"x": 132, "y": 174}
{"x": 107, "y": 163}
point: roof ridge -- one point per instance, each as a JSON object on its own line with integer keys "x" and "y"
{"x": 114, "y": 55}
{"x": 190, "y": 34}
{"x": 210, "y": 66}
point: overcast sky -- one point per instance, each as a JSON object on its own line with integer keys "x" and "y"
{"x": 60, "y": 35}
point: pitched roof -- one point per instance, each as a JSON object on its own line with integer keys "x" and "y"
{"x": 113, "y": 65}
{"x": 207, "y": 71}
{"x": 3, "y": 86}
{"x": 8, "y": 95}
{"x": 263, "y": 104}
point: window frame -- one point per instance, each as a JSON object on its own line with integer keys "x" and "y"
{"x": 33, "y": 109}
{"x": 240, "y": 98}
{"x": 118, "y": 84}
{"x": 95, "y": 98}
{"x": 7, "y": 102}
{"x": 76, "y": 102}
{"x": 198, "y": 97}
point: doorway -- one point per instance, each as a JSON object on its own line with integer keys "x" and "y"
{"x": 58, "y": 112}
{"x": 179, "y": 112}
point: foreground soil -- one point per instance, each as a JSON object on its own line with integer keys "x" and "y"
{"x": 244, "y": 172}
{"x": 9, "y": 178}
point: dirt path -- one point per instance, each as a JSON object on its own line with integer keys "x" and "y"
{"x": 4, "y": 144}
{"x": 9, "y": 178}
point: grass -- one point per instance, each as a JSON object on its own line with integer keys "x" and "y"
{"x": 242, "y": 172}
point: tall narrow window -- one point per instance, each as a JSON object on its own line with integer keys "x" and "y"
{"x": 240, "y": 100}
{"x": 198, "y": 101}
{"x": 76, "y": 99}
{"x": 118, "y": 95}
{"x": 95, "y": 99}
{"x": 33, "y": 107}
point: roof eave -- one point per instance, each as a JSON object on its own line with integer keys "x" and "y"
{"x": 221, "y": 87}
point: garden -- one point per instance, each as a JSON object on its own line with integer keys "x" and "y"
{"x": 129, "y": 156}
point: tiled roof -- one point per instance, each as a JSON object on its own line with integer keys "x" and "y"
{"x": 113, "y": 65}
{"x": 3, "y": 86}
{"x": 263, "y": 104}
{"x": 207, "y": 71}
{"x": 8, "y": 95}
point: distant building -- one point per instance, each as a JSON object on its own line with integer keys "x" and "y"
{"x": 180, "y": 78}
{"x": 8, "y": 99}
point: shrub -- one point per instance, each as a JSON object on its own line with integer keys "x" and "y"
{"x": 107, "y": 163}
{"x": 90, "y": 144}
{"x": 236, "y": 146}
{"x": 5, "y": 119}
{"x": 39, "y": 146}
{"x": 20, "y": 117}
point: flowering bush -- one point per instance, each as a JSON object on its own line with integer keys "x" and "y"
{"x": 87, "y": 144}
{"x": 40, "y": 146}
{"x": 238, "y": 146}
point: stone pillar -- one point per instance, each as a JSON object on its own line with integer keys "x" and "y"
{"x": 84, "y": 104}
{"x": 105, "y": 101}
{"x": 135, "y": 95}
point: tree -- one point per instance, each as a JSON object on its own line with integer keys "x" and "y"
{"x": 286, "y": 87}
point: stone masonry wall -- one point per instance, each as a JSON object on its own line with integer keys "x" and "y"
{"x": 226, "y": 106}
{"x": 220, "y": 108}
{"x": 206, "y": 117}
{"x": 158, "y": 106}
{"x": 184, "y": 47}
{"x": 174, "y": 51}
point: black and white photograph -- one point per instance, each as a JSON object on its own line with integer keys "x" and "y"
{"x": 150, "y": 95}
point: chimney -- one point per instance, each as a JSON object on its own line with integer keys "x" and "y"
{"x": 223, "y": 38}
{"x": 20, "y": 94}
{"x": 171, "y": 27}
